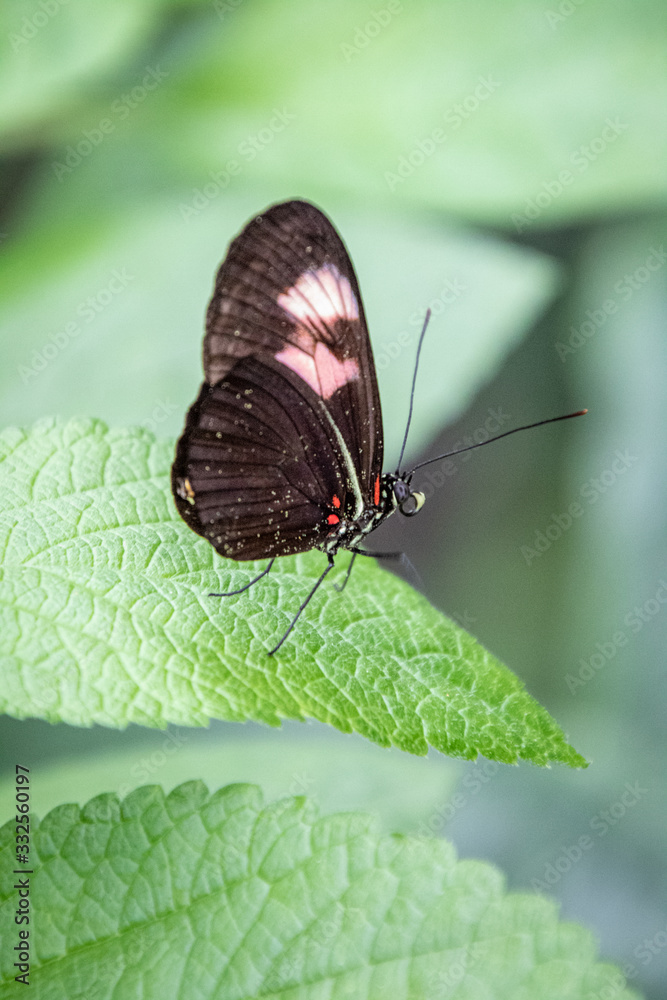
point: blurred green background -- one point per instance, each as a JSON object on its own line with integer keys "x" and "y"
{"x": 503, "y": 163}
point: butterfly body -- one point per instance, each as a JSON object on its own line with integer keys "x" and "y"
{"x": 349, "y": 533}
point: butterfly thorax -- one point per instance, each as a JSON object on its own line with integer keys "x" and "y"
{"x": 391, "y": 492}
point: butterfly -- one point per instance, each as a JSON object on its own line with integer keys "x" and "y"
{"x": 282, "y": 450}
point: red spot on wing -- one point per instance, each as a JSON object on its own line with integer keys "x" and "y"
{"x": 336, "y": 502}
{"x": 333, "y": 519}
{"x": 376, "y": 492}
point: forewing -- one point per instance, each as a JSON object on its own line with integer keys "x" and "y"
{"x": 287, "y": 291}
{"x": 257, "y": 469}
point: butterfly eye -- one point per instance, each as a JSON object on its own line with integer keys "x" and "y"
{"x": 409, "y": 503}
{"x": 412, "y": 504}
{"x": 401, "y": 491}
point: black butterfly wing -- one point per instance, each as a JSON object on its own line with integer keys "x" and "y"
{"x": 258, "y": 471}
{"x": 287, "y": 292}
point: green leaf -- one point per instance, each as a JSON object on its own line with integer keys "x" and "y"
{"x": 106, "y": 618}
{"x": 219, "y": 896}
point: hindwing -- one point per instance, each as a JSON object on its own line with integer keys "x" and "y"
{"x": 258, "y": 471}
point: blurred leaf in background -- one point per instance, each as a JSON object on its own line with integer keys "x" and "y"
{"x": 516, "y": 149}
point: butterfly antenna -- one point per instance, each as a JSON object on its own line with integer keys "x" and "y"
{"x": 515, "y": 430}
{"x": 412, "y": 393}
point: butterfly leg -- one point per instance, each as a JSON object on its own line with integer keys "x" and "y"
{"x": 296, "y": 616}
{"x": 231, "y": 593}
{"x": 341, "y": 587}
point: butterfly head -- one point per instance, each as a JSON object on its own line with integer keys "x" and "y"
{"x": 408, "y": 501}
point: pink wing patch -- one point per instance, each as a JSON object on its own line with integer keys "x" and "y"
{"x": 323, "y": 372}
{"x": 320, "y": 297}
{"x": 314, "y": 303}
